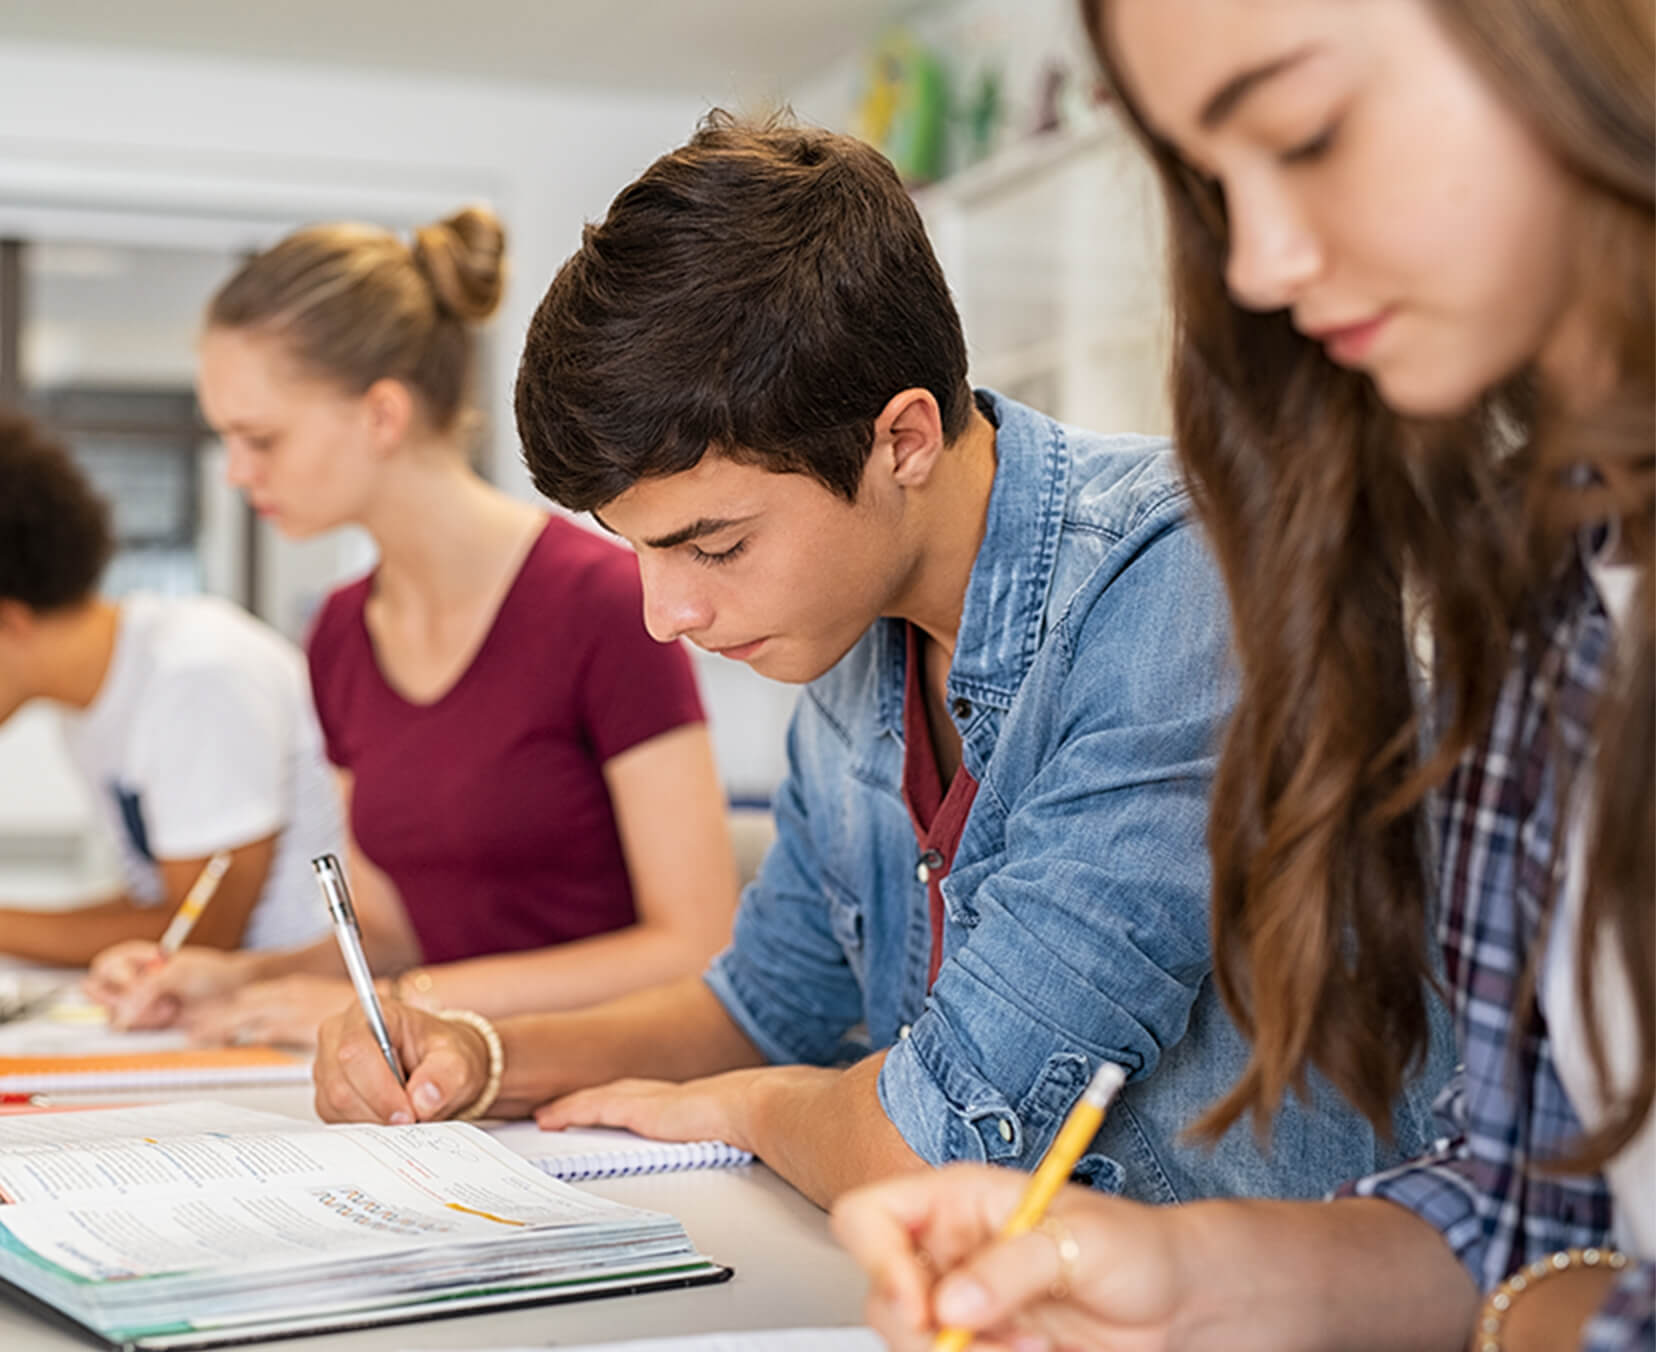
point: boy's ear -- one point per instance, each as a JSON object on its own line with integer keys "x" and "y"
{"x": 909, "y": 433}
{"x": 16, "y": 619}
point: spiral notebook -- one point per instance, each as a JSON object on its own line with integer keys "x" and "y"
{"x": 578, "y": 1153}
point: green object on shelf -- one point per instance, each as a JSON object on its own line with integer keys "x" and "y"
{"x": 984, "y": 113}
{"x": 904, "y": 108}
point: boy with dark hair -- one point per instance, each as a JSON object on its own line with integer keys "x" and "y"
{"x": 990, "y": 873}
{"x": 189, "y": 721}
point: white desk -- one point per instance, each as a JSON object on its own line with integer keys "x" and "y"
{"x": 788, "y": 1270}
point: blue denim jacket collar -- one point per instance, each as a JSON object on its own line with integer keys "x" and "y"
{"x": 1004, "y": 613}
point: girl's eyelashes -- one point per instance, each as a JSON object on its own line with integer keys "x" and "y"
{"x": 1309, "y": 152}
{"x": 254, "y": 441}
{"x": 723, "y": 556}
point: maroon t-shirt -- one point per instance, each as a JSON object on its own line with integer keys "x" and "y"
{"x": 488, "y": 808}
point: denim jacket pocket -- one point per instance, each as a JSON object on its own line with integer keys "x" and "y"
{"x": 1020, "y": 1134}
{"x": 982, "y": 851}
{"x": 1100, "y": 1173}
{"x": 845, "y": 920}
{"x": 960, "y": 887}
{"x": 1130, "y": 1151}
{"x": 1000, "y": 1132}
{"x": 1050, "y": 1100}
{"x": 991, "y": 1130}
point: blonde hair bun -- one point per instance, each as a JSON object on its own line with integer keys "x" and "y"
{"x": 463, "y": 257}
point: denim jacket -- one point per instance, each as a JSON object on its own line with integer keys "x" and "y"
{"x": 1090, "y": 682}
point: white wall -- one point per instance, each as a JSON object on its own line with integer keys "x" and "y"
{"x": 240, "y": 151}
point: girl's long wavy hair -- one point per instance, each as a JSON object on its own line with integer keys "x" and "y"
{"x": 1326, "y": 509}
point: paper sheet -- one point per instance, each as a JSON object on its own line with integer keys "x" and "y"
{"x": 120, "y": 1194}
{"x": 773, "y": 1340}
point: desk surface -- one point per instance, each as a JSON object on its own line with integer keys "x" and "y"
{"x": 789, "y": 1272}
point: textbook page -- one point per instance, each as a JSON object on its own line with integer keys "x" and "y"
{"x": 92, "y": 1124}
{"x": 236, "y": 1194}
{"x": 175, "y": 1226}
{"x": 773, "y": 1340}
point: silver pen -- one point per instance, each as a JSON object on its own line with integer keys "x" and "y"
{"x": 331, "y": 877}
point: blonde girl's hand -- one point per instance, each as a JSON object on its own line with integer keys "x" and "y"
{"x": 285, "y": 1010}
{"x": 1103, "y": 1273}
{"x": 142, "y": 989}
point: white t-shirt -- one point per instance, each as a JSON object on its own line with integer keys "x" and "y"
{"x": 203, "y": 738}
{"x": 1631, "y": 1174}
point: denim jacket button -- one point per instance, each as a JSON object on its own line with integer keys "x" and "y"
{"x": 928, "y": 864}
{"x": 904, "y": 1031}
{"x": 962, "y": 709}
{"x": 1006, "y": 1131}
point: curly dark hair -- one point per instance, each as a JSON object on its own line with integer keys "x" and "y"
{"x": 55, "y": 534}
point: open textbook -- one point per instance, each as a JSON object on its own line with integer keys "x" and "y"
{"x": 772, "y": 1340}
{"x": 192, "y": 1224}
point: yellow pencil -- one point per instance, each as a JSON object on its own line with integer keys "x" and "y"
{"x": 1053, "y": 1172}
{"x": 194, "y": 903}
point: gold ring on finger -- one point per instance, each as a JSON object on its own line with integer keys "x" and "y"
{"x": 1069, "y": 1256}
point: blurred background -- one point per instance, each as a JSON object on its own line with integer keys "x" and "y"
{"x": 146, "y": 147}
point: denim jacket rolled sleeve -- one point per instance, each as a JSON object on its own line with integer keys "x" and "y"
{"x": 1089, "y": 684}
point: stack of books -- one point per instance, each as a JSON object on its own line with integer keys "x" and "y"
{"x": 187, "y": 1225}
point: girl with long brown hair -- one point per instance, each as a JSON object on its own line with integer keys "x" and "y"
{"x": 1415, "y": 385}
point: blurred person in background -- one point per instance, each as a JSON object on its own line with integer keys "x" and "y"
{"x": 188, "y": 720}
{"x": 535, "y": 818}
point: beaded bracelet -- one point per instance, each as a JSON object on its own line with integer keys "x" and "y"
{"x": 497, "y": 1060}
{"x": 1495, "y": 1309}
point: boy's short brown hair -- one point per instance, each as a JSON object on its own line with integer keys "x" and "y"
{"x": 761, "y": 292}
{"x": 55, "y": 535}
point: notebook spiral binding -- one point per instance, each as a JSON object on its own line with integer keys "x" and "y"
{"x": 662, "y": 1157}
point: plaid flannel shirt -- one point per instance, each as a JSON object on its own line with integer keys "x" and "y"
{"x": 1506, "y": 1110}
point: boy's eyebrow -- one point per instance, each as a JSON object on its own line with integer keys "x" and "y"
{"x": 1239, "y": 86}
{"x": 707, "y": 525}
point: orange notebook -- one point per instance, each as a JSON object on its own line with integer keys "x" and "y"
{"x": 185, "y": 1068}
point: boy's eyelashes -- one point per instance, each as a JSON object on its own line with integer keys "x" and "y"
{"x": 713, "y": 558}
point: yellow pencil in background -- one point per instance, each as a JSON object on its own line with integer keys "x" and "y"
{"x": 1054, "y": 1171}
{"x": 194, "y": 903}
